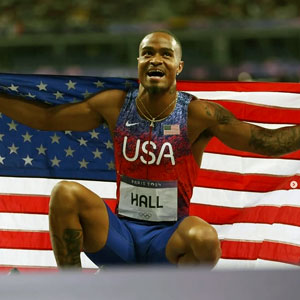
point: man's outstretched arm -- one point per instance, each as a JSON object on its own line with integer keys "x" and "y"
{"x": 251, "y": 138}
{"x": 81, "y": 116}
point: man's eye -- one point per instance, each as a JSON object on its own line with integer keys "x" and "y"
{"x": 147, "y": 53}
{"x": 167, "y": 54}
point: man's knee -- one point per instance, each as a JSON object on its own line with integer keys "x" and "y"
{"x": 64, "y": 195}
{"x": 205, "y": 243}
{"x": 201, "y": 240}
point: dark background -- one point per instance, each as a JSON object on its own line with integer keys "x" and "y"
{"x": 222, "y": 40}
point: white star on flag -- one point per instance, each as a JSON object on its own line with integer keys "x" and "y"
{"x": 97, "y": 153}
{"x": 42, "y": 86}
{"x": 28, "y": 160}
{"x": 82, "y": 141}
{"x": 30, "y": 95}
{"x": 86, "y": 94}
{"x": 41, "y": 149}
{"x": 27, "y": 137}
{"x": 13, "y": 88}
{"x": 71, "y": 85}
{"x": 99, "y": 84}
{"x": 58, "y": 95}
{"x": 109, "y": 145}
{"x": 111, "y": 165}
{"x": 55, "y": 138}
{"x": 94, "y": 134}
{"x": 13, "y": 149}
{"x": 12, "y": 125}
{"x": 83, "y": 163}
{"x": 55, "y": 161}
{"x": 69, "y": 151}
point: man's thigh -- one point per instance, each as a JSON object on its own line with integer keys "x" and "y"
{"x": 119, "y": 247}
{"x": 75, "y": 207}
{"x": 151, "y": 239}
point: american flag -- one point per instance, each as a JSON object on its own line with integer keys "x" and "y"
{"x": 171, "y": 129}
{"x": 252, "y": 201}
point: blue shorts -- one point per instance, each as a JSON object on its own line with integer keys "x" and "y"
{"x": 134, "y": 242}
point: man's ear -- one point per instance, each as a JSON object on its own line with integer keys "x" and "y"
{"x": 180, "y": 67}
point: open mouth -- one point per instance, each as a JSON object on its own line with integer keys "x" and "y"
{"x": 155, "y": 74}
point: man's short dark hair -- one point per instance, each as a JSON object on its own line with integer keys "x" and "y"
{"x": 170, "y": 34}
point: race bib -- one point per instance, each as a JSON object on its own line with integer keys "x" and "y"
{"x": 148, "y": 200}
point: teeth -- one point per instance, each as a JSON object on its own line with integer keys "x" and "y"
{"x": 155, "y": 73}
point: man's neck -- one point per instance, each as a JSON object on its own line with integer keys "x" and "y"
{"x": 155, "y": 103}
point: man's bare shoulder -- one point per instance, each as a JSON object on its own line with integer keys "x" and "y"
{"x": 201, "y": 108}
{"x": 108, "y": 105}
{"x": 108, "y": 98}
{"x": 209, "y": 111}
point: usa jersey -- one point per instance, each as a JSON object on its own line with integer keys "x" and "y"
{"x": 159, "y": 156}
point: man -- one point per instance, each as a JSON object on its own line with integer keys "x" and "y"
{"x": 159, "y": 138}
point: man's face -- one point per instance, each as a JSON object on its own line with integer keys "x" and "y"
{"x": 159, "y": 61}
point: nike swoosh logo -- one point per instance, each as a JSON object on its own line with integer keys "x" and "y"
{"x": 130, "y": 124}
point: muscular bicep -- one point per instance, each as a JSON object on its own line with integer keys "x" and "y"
{"x": 77, "y": 117}
{"x": 236, "y": 135}
{"x": 231, "y": 131}
{"x": 251, "y": 138}
{"x": 89, "y": 114}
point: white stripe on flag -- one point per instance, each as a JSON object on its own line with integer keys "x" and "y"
{"x": 238, "y": 264}
{"x": 260, "y": 232}
{"x": 30, "y": 222}
{"x": 241, "y": 199}
{"x": 44, "y": 258}
{"x": 41, "y": 186}
{"x": 270, "y": 126}
{"x": 289, "y": 100}
{"x": 230, "y": 163}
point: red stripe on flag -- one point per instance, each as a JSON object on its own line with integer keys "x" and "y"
{"x": 30, "y": 204}
{"x": 7, "y": 269}
{"x": 260, "y": 113}
{"x": 289, "y": 215}
{"x": 25, "y": 240}
{"x": 245, "y": 182}
{"x": 266, "y": 250}
{"x": 238, "y": 86}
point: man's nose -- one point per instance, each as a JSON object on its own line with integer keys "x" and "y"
{"x": 156, "y": 60}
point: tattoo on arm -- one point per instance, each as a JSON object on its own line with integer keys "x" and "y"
{"x": 67, "y": 249}
{"x": 275, "y": 142}
{"x": 222, "y": 115}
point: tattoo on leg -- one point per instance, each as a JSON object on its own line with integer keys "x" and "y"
{"x": 58, "y": 247}
{"x": 67, "y": 248}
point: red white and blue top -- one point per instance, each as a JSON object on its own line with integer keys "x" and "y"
{"x": 161, "y": 153}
